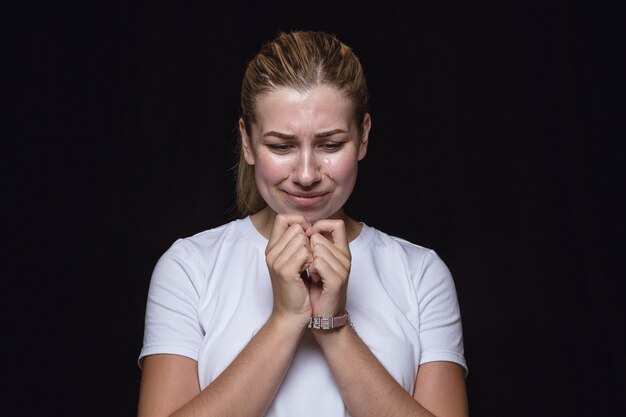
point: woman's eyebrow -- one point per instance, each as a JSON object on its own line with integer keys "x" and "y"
{"x": 329, "y": 133}
{"x": 278, "y": 135}
{"x": 317, "y": 135}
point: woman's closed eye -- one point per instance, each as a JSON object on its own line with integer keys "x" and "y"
{"x": 332, "y": 146}
{"x": 279, "y": 148}
{"x": 282, "y": 148}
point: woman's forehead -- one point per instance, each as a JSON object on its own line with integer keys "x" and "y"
{"x": 321, "y": 107}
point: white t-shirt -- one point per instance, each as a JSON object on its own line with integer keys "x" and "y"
{"x": 210, "y": 293}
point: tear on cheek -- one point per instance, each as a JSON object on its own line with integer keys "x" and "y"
{"x": 329, "y": 167}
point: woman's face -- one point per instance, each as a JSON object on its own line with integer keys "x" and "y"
{"x": 305, "y": 148}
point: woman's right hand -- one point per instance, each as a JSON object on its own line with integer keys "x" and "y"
{"x": 288, "y": 254}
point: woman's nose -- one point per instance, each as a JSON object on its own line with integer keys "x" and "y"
{"x": 307, "y": 170}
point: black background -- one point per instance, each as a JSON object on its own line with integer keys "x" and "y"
{"x": 497, "y": 140}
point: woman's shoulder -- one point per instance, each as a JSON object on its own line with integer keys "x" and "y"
{"x": 423, "y": 263}
{"x": 190, "y": 259}
{"x": 207, "y": 241}
{"x": 391, "y": 242}
{"x": 393, "y": 249}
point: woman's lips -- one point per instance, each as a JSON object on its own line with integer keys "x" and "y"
{"x": 306, "y": 200}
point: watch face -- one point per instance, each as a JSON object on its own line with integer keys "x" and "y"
{"x": 326, "y": 323}
{"x": 329, "y": 323}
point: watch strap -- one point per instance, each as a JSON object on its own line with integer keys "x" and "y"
{"x": 329, "y": 323}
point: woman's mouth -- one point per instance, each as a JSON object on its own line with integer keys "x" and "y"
{"x": 306, "y": 200}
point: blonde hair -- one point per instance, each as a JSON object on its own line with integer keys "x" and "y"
{"x": 298, "y": 60}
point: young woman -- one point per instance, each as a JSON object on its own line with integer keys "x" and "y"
{"x": 296, "y": 309}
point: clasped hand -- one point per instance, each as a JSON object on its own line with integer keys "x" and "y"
{"x": 309, "y": 266}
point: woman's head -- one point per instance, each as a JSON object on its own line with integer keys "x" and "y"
{"x": 299, "y": 61}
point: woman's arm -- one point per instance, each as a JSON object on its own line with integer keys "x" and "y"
{"x": 169, "y": 383}
{"x": 246, "y": 388}
{"x": 440, "y": 387}
{"x": 366, "y": 386}
{"x": 369, "y": 390}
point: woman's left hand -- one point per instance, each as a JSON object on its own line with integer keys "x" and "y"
{"x": 330, "y": 268}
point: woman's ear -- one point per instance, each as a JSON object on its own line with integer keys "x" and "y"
{"x": 246, "y": 143}
{"x": 364, "y": 140}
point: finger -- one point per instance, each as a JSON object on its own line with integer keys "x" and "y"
{"x": 328, "y": 297}
{"x": 328, "y": 276}
{"x": 341, "y": 253}
{"x": 283, "y": 231}
{"x": 328, "y": 265}
{"x": 315, "y": 277}
{"x": 336, "y": 228}
{"x": 295, "y": 255}
{"x": 306, "y": 278}
{"x": 282, "y": 222}
{"x": 273, "y": 250}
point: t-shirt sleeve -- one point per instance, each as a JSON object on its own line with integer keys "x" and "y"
{"x": 441, "y": 333}
{"x": 171, "y": 319}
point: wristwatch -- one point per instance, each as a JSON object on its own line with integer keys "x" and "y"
{"x": 329, "y": 323}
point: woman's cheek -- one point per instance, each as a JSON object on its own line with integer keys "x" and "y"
{"x": 340, "y": 167}
{"x": 273, "y": 169}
